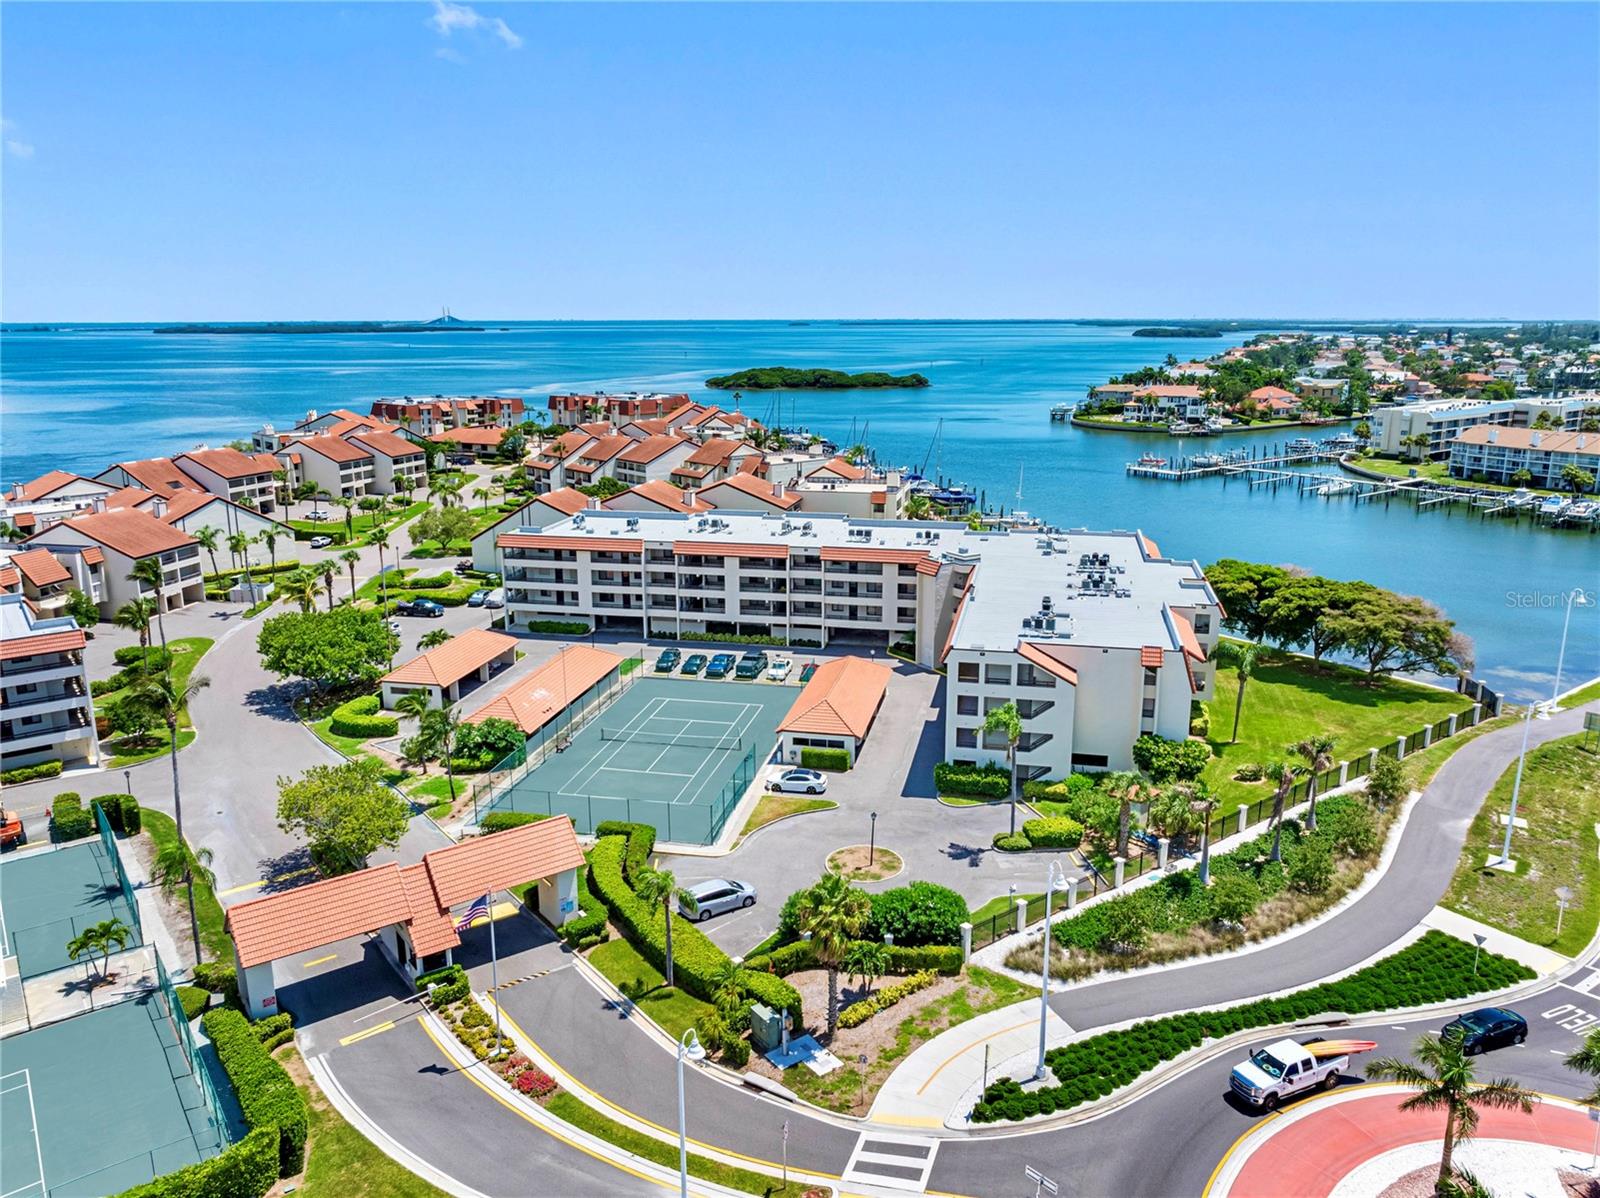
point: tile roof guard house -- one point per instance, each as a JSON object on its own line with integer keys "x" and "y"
{"x": 408, "y": 908}
{"x": 835, "y": 709}
{"x": 441, "y": 673}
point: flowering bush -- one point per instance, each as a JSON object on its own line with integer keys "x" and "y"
{"x": 534, "y": 1081}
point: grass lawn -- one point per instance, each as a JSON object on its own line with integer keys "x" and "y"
{"x": 579, "y": 1114}
{"x": 1434, "y": 472}
{"x": 208, "y": 911}
{"x": 186, "y": 654}
{"x": 1003, "y": 904}
{"x": 125, "y": 752}
{"x": 340, "y": 1161}
{"x": 673, "y": 1010}
{"x": 1291, "y": 697}
{"x": 1560, "y": 799}
{"x": 1587, "y": 695}
{"x": 775, "y": 806}
{"x": 629, "y": 665}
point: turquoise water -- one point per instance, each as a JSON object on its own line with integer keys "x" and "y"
{"x": 84, "y": 399}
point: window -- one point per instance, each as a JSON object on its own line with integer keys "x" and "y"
{"x": 997, "y": 675}
{"x": 966, "y": 704}
{"x": 1149, "y": 711}
{"x": 967, "y": 671}
{"x": 1090, "y": 761}
{"x": 966, "y": 738}
{"x": 1202, "y": 622}
{"x": 991, "y": 703}
{"x": 1149, "y": 676}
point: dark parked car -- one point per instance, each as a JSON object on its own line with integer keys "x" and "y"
{"x": 668, "y": 661}
{"x": 1487, "y": 1028}
{"x": 721, "y": 665}
{"x": 694, "y": 663}
{"x": 751, "y": 665}
{"x": 419, "y": 607}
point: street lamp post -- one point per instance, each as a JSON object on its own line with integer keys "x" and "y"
{"x": 688, "y": 1049}
{"x": 127, "y": 782}
{"x": 1576, "y": 597}
{"x": 1563, "y": 898}
{"x": 1516, "y": 786}
{"x": 1056, "y": 878}
{"x": 872, "y": 839}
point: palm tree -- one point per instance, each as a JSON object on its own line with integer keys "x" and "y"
{"x": 269, "y": 538}
{"x": 300, "y": 585}
{"x": 917, "y": 507}
{"x": 435, "y": 638}
{"x": 1587, "y": 1060}
{"x": 866, "y": 961}
{"x": 833, "y": 912}
{"x": 1244, "y": 664}
{"x": 207, "y": 537}
{"x": 168, "y": 699}
{"x": 414, "y": 704}
{"x": 1317, "y": 752}
{"x": 660, "y": 886}
{"x": 1283, "y": 777}
{"x": 351, "y": 557}
{"x": 280, "y": 490}
{"x": 328, "y": 572}
{"x": 173, "y": 859}
{"x": 481, "y": 493}
{"x": 148, "y": 573}
{"x": 135, "y": 615}
{"x": 1126, "y": 786}
{"x": 239, "y": 546}
{"x": 1446, "y": 1081}
{"x": 1202, "y": 802}
{"x": 101, "y": 938}
{"x": 10, "y": 532}
{"x": 1006, "y": 720}
{"x": 727, "y": 988}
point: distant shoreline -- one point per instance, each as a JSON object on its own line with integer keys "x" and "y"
{"x": 333, "y": 326}
{"x": 812, "y": 378}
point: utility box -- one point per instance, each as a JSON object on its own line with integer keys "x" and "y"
{"x": 766, "y": 1027}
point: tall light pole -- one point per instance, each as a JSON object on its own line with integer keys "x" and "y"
{"x": 1056, "y": 878}
{"x": 1576, "y": 597}
{"x": 1516, "y": 786}
{"x": 688, "y": 1049}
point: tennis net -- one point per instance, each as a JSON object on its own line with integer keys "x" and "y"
{"x": 683, "y": 740}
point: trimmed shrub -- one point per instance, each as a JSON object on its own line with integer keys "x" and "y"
{"x": 267, "y": 1095}
{"x": 358, "y": 718}
{"x": 31, "y": 773}
{"x": 451, "y": 982}
{"x": 69, "y": 819}
{"x": 987, "y": 781}
{"x": 791, "y": 958}
{"x": 1072, "y": 786}
{"x": 247, "y": 1169}
{"x": 1053, "y": 832}
{"x": 194, "y": 1000}
{"x": 1199, "y": 720}
{"x": 1233, "y": 896}
{"x": 917, "y": 914}
{"x": 269, "y": 1027}
{"x": 219, "y": 978}
{"x": 858, "y": 1013}
{"x": 504, "y": 821}
{"x": 150, "y": 661}
{"x": 559, "y": 627}
{"x": 825, "y": 759}
{"x": 1008, "y": 842}
{"x": 122, "y": 813}
{"x": 1250, "y": 771}
{"x": 1311, "y": 870}
{"x": 1165, "y": 759}
{"x": 588, "y": 928}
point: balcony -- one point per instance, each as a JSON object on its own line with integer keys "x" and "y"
{"x": 763, "y": 586}
{"x": 813, "y": 610}
{"x": 661, "y": 557}
{"x": 61, "y": 664}
{"x": 852, "y": 590}
{"x": 870, "y": 569}
{"x": 1027, "y": 676}
{"x": 614, "y": 578}
{"x": 564, "y": 577}
{"x": 39, "y": 704}
{"x": 806, "y": 586}
{"x": 612, "y": 558}
{"x": 703, "y": 606}
{"x": 806, "y": 565}
{"x": 762, "y": 607}
{"x": 663, "y": 603}
{"x": 1032, "y": 709}
{"x": 618, "y": 605}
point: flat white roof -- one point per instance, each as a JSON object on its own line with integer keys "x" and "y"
{"x": 17, "y": 620}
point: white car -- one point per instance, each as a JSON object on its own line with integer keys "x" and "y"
{"x": 394, "y": 627}
{"x": 321, "y": 542}
{"x": 779, "y": 669}
{"x": 798, "y": 781}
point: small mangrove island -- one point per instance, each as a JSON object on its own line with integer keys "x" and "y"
{"x": 792, "y": 378}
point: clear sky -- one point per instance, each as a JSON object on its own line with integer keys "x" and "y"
{"x": 288, "y": 161}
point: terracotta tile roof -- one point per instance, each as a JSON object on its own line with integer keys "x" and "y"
{"x": 279, "y": 925}
{"x": 489, "y": 863}
{"x": 455, "y": 659}
{"x": 186, "y": 503}
{"x": 390, "y": 445}
{"x": 1149, "y": 547}
{"x": 584, "y": 468}
{"x": 432, "y": 929}
{"x": 487, "y": 437}
{"x": 10, "y": 578}
{"x": 565, "y": 499}
{"x": 1171, "y": 391}
{"x": 841, "y": 468}
{"x": 714, "y": 452}
{"x": 158, "y": 474}
{"x": 596, "y": 428}
{"x": 927, "y": 566}
{"x": 755, "y": 463}
{"x": 651, "y": 427}
{"x": 535, "y": 540}
{"x": 268, "y": 462}
{"x": 755, "y": 489}
{"x": 1045, "y": 658}
{"x": 226, "y": 463}
{"x": 730, "y": 549}
{"x": 134, "y": 497}
{"x": 94, "y": 556}
{"x": 649, "y": 450}
{"x": 880, "y": 498}
{"x": 873, "y": 553}
{"x": 841, "y": 699}
{"x": 1261, "y": 394}
{"x": 25, "y": 520}
{"x": 40, "y": 567}
{"x": 660, "y": 491}
{"x": 564, "y": 446}
{"x": 545, "y": 693}
{"x": 335, "y": 449}
{"x": 603, "y": 449}
{"x": 1187, "y": 641}
{"x": 45, "y": 484}
{"x": 63, "y": 641}
{"x": 132, "y": 532}
{"x": 1150, "y": 657}
{"x": 1548, "y": 440}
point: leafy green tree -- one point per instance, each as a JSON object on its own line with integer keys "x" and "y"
{"x": 1577, "y": 480}
{"x": 1522, "y": 477}
{"x": 176, "y": 863}
{"x": 1125, "y": 925}
{"x": 1398, "y": 633}
{"x": 1301, "y": 612}
{"x": 1234, "y": 896}
{"x": 330, "y": 649}
{"x": 83, "y": 609}
{"x": 660, "y": 887}
{"x": 129, "y": 718}
{"x": 493, "y": 739}
{"x": 1243, "y": 588}
{"x": 100, "y": 939}
{"x": 1444, "y": 1080}
{"x": 1387, "y": 783}
{"x": 1007, "y": 721}
{"x": 168, "y": 700}
{"x": 834, "y": 912}
{"x": 344, "y": 813}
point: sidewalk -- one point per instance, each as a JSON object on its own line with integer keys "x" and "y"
{"x": 1542, "y": 961}
{"x": 930, "y": 1087}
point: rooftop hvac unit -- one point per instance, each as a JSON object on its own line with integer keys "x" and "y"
{"x": 806, "y": 526}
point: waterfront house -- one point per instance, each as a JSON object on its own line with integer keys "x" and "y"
{"x": 398, "y": 465}
{"x": 152, "y": 474}
{"x": 652, "y": 459}
{"x": 46, "y": 713}
{"x": 49, "y": 499}
{"x": 1169, "y": 401}
{"x": 242, "y": 478}
{"x": 190, "y": 512}
{"x": 339, "y": 468}
{"x": 1276, "y": 400}
{"x": 596, "y": 460}
{"x": 572, "y": 410}
{"x": 538, "y": 512}
{"x": 1495, "y": 453}
{"x": 1322, "y": 390}
{"x": 715, "y": 422}
{"x": 125, "y": 536}
{"x": 1441, "y": 420}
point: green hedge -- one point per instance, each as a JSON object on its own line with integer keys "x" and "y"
{"x": 987, "y": 781}
{"x": 31, "y": 773}
{"x": 151, "y": 660}
{"x": 1053, "y": 832}
{"x": 453, "y": 984}
{"x": 916, "y": 914}
{"x": 1435, "y": 969}
{"x": 858, "y": 1013}
{"x": 825, "y": 759}
{"x": 122, "y": 813}
{"x": 504, "y": 821}
{"x": 1011, "y": 842}
{"x": 219, "y": 978}
{"x": 559, "y": 627}
{"x": 247, "y": 1169}
{"x": 736, "y": 638}
{"x": 695, "y": 958}
{"x": 791, "y": 958}
{"x": 267, "y": 1095}
{"x": 69, "y": 818}
{"x": 589, "y": 927}
{"x": 1059, "y": 789}
{"x": 194, "y": 1000}
{"x": 359, "y": 719}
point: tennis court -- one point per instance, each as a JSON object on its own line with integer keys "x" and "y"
{"x": 47, "y": 898}
{"x": 101, "y": 1102}
{"x": 678, "y": 754}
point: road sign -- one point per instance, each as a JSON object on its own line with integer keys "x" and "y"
{"x": 1042, "y": 1184}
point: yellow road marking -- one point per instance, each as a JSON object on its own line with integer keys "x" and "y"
{"x": 322, "y": 960}
{"x": 296, "y": 873}
{"x": 909, "y": 1120}
{"x": 953, "y": 1056}
{"x": 371, "y": 1031}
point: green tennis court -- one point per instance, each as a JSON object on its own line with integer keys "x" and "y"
{"x": 47, "y": 898}
{"x": 678, "y": 754}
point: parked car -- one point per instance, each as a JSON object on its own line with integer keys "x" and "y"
{"x": 477, "y": 597}
{"x": 419, "y": 607}
{"x": 693, "y": 664}
{"x": 779, "y": 669}
{"x": 394, "y": 627}
{"x": 321, "y": 542}
{"x": 720, "y": 665}
{"x": 319, "y": 514}
{"x": 668, "y": 661}
{"x": 751, "y": 665}
{"x": 1487, "y": 1028}
{"x": 716, "y": 897}
{"x": 495, "y": 598}
{"x": 804, "y": 782}
{"x": 11, "y": 830}
{"x": 464, "y": 566}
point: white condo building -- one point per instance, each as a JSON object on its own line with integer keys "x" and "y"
{"x": 1095, "y": 635}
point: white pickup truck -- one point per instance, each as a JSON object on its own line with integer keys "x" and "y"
{"x": 1287, "y": 1070}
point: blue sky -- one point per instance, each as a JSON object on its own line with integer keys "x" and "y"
{"x": 244, "y": 161}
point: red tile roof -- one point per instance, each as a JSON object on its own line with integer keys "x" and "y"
{"x": 1187, "y": 640}
{"x": 545, "y": 693}
{"x": 501, "y": 860}
{"x": 47, "y": 484}
{"x": 454, "y": 660}
{"x": 335, "y": 449}
{"x": 63, "y": 641}
{"x": 714, "y": 452}
{"x": 390, "y": 445}
{"x": 40, "y": 567}
{"x": 842, "y": 468}
{"x": 1045, "y": 657}
{"x": 841, "y": 699}
{"x": 279, "y": 925}
{"x": 659, "y": 491}
{"x": 158, "y": 474}
{"x": 432, "y": 929}
{"x": 132, "y": 532}
{"x": 1263, "y": 394}
{"x": 755, "y": 489}
{"x": 872, "y": 553}
{"x": 642, "y": 452}
{"x": 1149, "y": 547}
{"x": 1150, "y": 657}
{"x": 10, "y": 578}
{"x": 565, "y": 499}
{"x": 226, "y": 463}
{"x": 135, "y": 497}
{"x": 94, "y": 556}
{"x": 487, "y": 437}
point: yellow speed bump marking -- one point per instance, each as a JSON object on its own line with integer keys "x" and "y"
{"x": 322, "y": 960}
{"x": 371, "y": 1031}
{"x": 297, "y": 873}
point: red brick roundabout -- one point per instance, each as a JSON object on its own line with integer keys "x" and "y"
{"x": 1314, "y": 1148}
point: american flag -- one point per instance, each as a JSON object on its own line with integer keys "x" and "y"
{"x": 478, "y": 910}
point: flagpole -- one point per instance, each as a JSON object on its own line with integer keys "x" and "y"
{"x": 494, "y": 975}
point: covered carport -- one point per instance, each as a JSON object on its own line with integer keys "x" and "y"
{"x": 407, "y": 908}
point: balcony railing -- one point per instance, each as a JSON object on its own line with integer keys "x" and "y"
{"x": 25, "y": 666}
